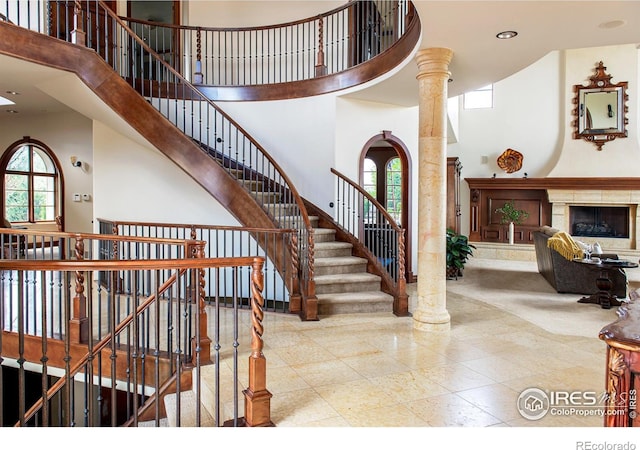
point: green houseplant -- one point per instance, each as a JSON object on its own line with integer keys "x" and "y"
{"x": 512, "y": 216}
{"x": 458, "y": 252}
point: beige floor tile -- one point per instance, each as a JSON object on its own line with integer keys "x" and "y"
{"x": 284, "y": 379}
{"x": 498, "y": 400}
{"x": 456, "y": 377}
{"x": 355, "y": 396}
{"x": 497, "y": 368}
{"x": 303, "y": 354}
{"x": 408, "y": 386}
{"x": 421, "y": 358}
{"x": 326, "y": 372}
{"x": 375, "y": 365}
{"x": 385, "y": 416}
{"x": 299, "y": 408}
{"x": 351, "y": 346}
{"x": 450, "y": 410}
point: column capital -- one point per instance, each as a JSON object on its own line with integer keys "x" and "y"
{"x": 433, "y": 60}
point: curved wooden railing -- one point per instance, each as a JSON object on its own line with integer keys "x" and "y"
{"x": 316, "y": 54}
{"x": 362, "y": 216}
{"x": 92, "y": 24}
{"x": 156, "y": 327}
{"x": 280, "y": 279}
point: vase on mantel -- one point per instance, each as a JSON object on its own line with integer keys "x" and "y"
{"x": 511, "y": 229}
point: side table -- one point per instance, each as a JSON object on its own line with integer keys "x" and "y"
{"x": 603, "y": 297}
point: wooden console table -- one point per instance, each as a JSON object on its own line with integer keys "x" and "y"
{"x": 623, "y": 367}
{"x": 603, "y": 297}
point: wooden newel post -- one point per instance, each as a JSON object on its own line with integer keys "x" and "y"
{"x": 257, "y": 399}
{"x": 295, "y": 298}
{"x": 79, "y": 324}
{"x": 78, "y": 35}
{"x": 311, "y": 301}
{"x": 201, "y": 342}
{"x": 321, "y": 66}
{"x": 401, "y": 302}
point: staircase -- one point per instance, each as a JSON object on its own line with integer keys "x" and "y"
{"x": 343, "y": 284}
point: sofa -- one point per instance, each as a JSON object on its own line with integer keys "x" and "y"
{"x": 572, "y": 277}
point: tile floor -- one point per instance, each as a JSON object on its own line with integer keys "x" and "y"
{"x": 375, "y": 370}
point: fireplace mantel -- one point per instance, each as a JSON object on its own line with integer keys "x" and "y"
{"x": 548, "y": 200}
{"x": 600, "y": 183}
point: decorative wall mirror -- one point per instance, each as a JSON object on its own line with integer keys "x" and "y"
{"x": 600, "y": 109}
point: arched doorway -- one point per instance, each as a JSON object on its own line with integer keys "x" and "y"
{"x": 385, "y": 172}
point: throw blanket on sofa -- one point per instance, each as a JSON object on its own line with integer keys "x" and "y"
{"x": 564, "y": 244}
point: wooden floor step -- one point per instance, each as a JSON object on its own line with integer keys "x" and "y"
{"x": 354, "y": 303}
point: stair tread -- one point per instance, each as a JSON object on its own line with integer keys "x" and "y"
{"x": 339, "y": 260}
{"x": 356, "y": 296}
{"x": 187, "y": 406}
{"x": 152, "y": 423}
{"x": 324, "y": 231}
{"x": 332, "y": 245}
{"x": 346, "y": 278}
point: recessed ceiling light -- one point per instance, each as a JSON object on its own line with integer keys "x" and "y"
{"x": 12, "y": 111}
{"x": 613, "y": 24}
{"x": 506, "y": 34}
{"x": 13, "y": 92}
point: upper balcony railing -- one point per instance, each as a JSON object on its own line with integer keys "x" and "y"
{"x": 326, "y": 44}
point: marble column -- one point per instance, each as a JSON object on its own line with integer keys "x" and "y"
{"x": 433, "y": 75}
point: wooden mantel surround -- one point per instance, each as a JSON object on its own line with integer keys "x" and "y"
{"x": 547, "y": 201}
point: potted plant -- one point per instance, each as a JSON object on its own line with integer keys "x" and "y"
{"x": 458, "y": 252}
{"x": 512, "y": 216}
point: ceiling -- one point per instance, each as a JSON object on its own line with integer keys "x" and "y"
{"x": 468, "y": 28}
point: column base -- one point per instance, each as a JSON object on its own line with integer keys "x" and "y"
{"x": 431, "y": 322}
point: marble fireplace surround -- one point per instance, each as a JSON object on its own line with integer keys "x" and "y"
{"x": 565, "y": 192}
{"x": 562, "y": 199}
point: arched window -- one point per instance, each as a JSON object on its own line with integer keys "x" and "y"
{"x": 370, "y": 184}
{"x": 394, "y": 189}
{"x": 370, "y": 172}
{"x": 32, "y": 187}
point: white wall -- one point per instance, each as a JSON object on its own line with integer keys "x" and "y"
{"x": 253, "y": 13}
{"x": 532, "y": 114}
{"x": 619, "y": 158}
{"x": 300, "y": 135}
{"x": 358, "y": 121}
{"x": 137, "y": 183}
{"x": 66, "y": 134}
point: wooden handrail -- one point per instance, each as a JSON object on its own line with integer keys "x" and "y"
{"x": 69, "y": 266}
{"x": 125, "y": 264}
{"x": 63, "y": 234}
{"x": 208, "y": 227}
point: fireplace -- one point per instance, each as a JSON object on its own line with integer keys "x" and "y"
{"x": 599, "y": 221}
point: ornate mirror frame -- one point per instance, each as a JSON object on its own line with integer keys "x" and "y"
{"x": 600, "y": 109}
